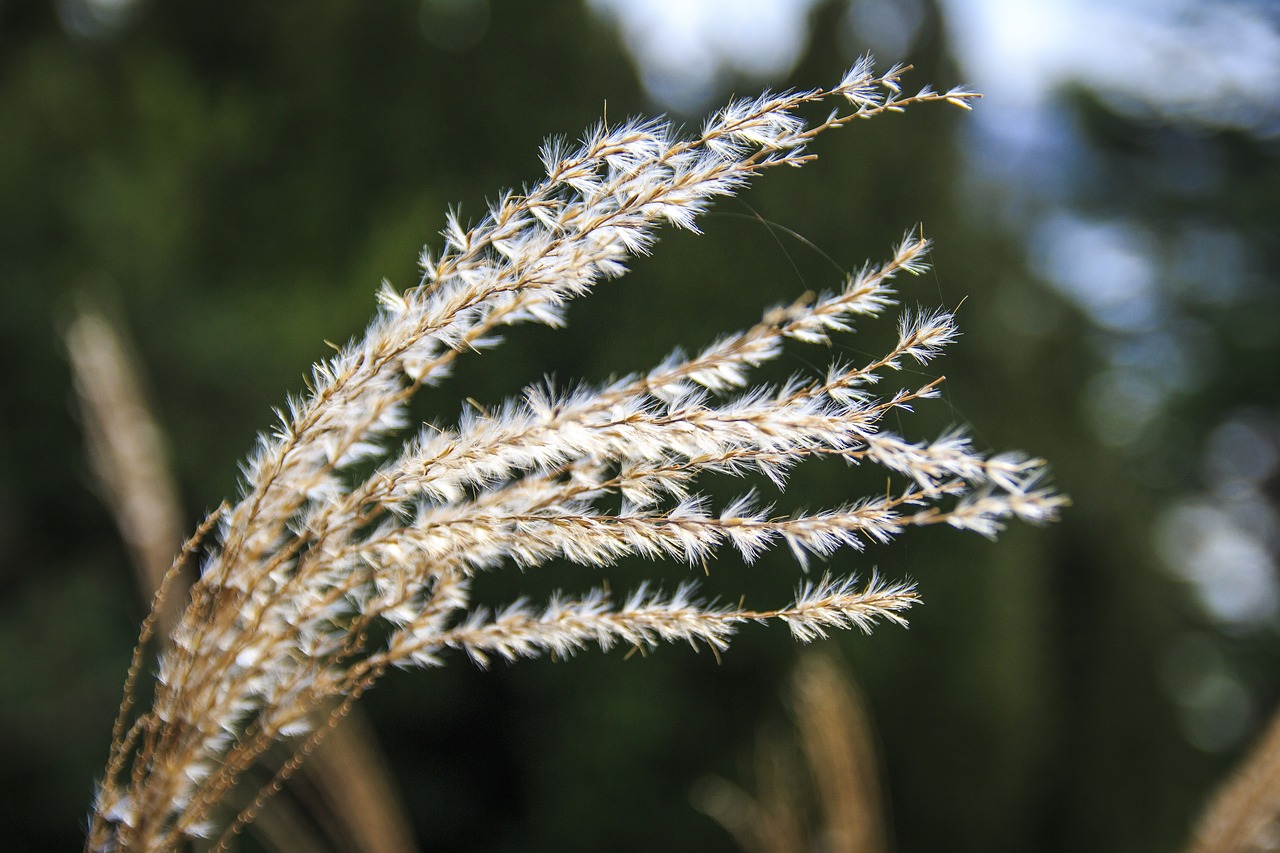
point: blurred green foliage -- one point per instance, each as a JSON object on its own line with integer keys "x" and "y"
{"x": 236, "y": 177}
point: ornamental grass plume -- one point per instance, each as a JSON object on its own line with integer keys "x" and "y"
{"x": 321, "y": 576}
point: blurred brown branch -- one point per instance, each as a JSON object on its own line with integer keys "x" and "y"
{"x": 1244, "y": 815}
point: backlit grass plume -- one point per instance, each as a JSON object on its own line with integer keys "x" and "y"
{"x": 317, "y": 579}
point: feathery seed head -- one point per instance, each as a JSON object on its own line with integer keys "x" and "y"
{"x": 318, "y": 580}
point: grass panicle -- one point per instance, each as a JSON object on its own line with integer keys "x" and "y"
{"x": 321, "y": 576}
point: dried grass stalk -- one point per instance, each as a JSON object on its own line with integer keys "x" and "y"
{"x": 1244, "y": 815}
{"x": 841, "y": 809}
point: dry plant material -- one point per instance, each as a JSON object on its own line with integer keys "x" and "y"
{"x": 841, "y": 809}
{"x": 1244, "y": 815}
{"x": 839, "y": 747}
{"x": 129, "y": 460}
{"x": 318, "y": 578}
{"x": 127, "y": 451}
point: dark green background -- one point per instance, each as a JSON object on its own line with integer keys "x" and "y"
{"x": 234, "y": 178}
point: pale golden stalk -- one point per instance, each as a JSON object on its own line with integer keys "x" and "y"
{"x": 841, "y": 810}
{"x": 127, "y": 452}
